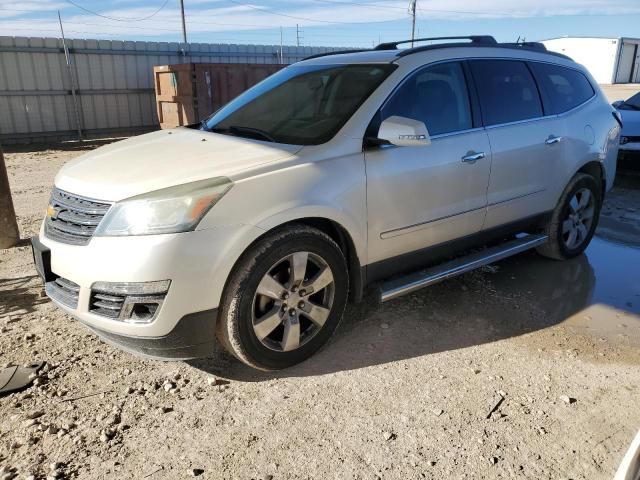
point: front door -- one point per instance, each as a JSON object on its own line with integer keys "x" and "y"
{"x": 419, "y": 197}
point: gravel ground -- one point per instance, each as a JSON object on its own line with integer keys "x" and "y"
{"x": 528, "y": 368}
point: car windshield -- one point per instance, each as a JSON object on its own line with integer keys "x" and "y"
{"x": 301, "y": 105}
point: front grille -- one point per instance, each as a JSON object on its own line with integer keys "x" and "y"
{"x": 63, "y": 291}
{"x": 73, "y": 219}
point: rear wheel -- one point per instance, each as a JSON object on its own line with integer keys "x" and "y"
{"x": 574, "y": 219}
{"x": 284, "y": 299}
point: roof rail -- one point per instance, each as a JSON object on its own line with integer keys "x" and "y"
{"x": 476, "y": 39}
{"x": 336, "y": 52}
{"x": 536, "y": 46}
{"x": 527, "y": 45}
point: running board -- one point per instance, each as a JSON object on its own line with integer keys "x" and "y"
{"x": 423, "y": 278}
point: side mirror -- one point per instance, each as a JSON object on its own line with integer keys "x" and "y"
{"x": 617, "y": 103}
{"x": 404, "y": 132}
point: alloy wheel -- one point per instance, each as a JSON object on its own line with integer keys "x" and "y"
{"x": 293, "y": 301}
{"x": 576, "y": 227}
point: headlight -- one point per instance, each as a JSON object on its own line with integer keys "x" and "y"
{"x": 170, "y": 210}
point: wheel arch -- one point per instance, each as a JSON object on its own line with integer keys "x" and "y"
{"x": 597, "y": 171}
{"x": 339, "y": 234}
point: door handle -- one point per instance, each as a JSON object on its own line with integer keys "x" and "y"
{"x": 552, "y": 139}
{"x": 472, "y": 157}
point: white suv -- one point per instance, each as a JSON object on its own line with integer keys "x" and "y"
{"x": 394, "y": 167}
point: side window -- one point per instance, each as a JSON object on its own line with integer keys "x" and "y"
{"x": 507, "y": 91}
{"x": 563, "y": 88}
{"x": 437, "y": 96}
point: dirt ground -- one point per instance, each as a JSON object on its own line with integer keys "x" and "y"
{"x": 528, "y": 369}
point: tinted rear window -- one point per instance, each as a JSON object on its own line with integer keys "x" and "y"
{"x": 507, "y": 91}
{"x": 562, "y": 88}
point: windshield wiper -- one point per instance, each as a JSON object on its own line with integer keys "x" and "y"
{"x": 252, "y": 131}
{"x": 246, "y": 132}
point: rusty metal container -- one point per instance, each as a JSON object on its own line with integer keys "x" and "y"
{"x": 188, "y": 93}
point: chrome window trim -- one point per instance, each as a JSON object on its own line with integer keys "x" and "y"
{"x": 591, "y": 99}
{"x": 456, "y": 133}
{"x": 438, "y": 137}
{"x": 507, "y": 59}
{"x": 519, "y": 122}
{"x": 544, "y": 117}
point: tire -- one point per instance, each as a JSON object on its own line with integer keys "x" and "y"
{"x": 568, "y": 229}
{"x": 251, "y": 298}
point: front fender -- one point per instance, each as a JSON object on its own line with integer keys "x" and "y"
{"x": 354, "y": 228}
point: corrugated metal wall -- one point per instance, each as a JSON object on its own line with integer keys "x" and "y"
{"x": 114, "y": 82}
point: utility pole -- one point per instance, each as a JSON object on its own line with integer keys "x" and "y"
{"x": 72, "y": 80}
{"x": 298, "y": 37}
{"x": 412, "y": 12}
{"x": 281, "y": 55}
{"x": 184, "y": 28}
{"x": 9, "y": 234}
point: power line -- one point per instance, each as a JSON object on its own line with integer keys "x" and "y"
{"x": 23, "y": 25}
{"x": 394, "y": 7}
{"x": 79, "y": 31}
{"x": 375, "y": 5}
{"x": 295, "y": 17}
{"x": 119, "y": 19}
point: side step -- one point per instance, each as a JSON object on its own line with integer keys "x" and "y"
{"x": 423, "y": 278}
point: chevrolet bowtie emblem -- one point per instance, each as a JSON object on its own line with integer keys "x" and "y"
{"x": 52, "y": 212}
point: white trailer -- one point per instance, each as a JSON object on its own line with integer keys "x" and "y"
{"x": 610, "y": 60}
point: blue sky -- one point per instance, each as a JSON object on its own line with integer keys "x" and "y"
{"x": 356, "y": 23}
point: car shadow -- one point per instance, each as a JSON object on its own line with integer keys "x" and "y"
{"x": 517, "y": 296}
{"x": 18, "y": 296}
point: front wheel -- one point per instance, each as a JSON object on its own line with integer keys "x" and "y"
{"x": 574, "y": 220}
{"x": 284, "y": 298}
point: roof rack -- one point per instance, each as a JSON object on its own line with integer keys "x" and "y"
{"x": 537, "y": 46}
{"x": 336, "y": 52}
{"x": 475, "y": 39}
{"x": 526, "y": 45}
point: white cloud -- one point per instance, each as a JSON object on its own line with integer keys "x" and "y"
{"x": 219, "y": 18}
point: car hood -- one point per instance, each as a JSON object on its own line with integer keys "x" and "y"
{"x": 163, "y": 159}
{"x": 630, "y": 122}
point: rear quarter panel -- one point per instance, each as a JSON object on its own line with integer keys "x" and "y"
{"x": 592, "y": 134}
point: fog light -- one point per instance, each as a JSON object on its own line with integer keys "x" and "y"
{"x": 131, "y": 302}
{"x": 133, "y": 288}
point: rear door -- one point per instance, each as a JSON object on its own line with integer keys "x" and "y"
{"x": 526, "y": 145}
{"x": 418, "y": 197}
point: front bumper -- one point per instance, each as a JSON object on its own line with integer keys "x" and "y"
{"x": 197, "y": 264}
{"x": 193, "y": 337}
